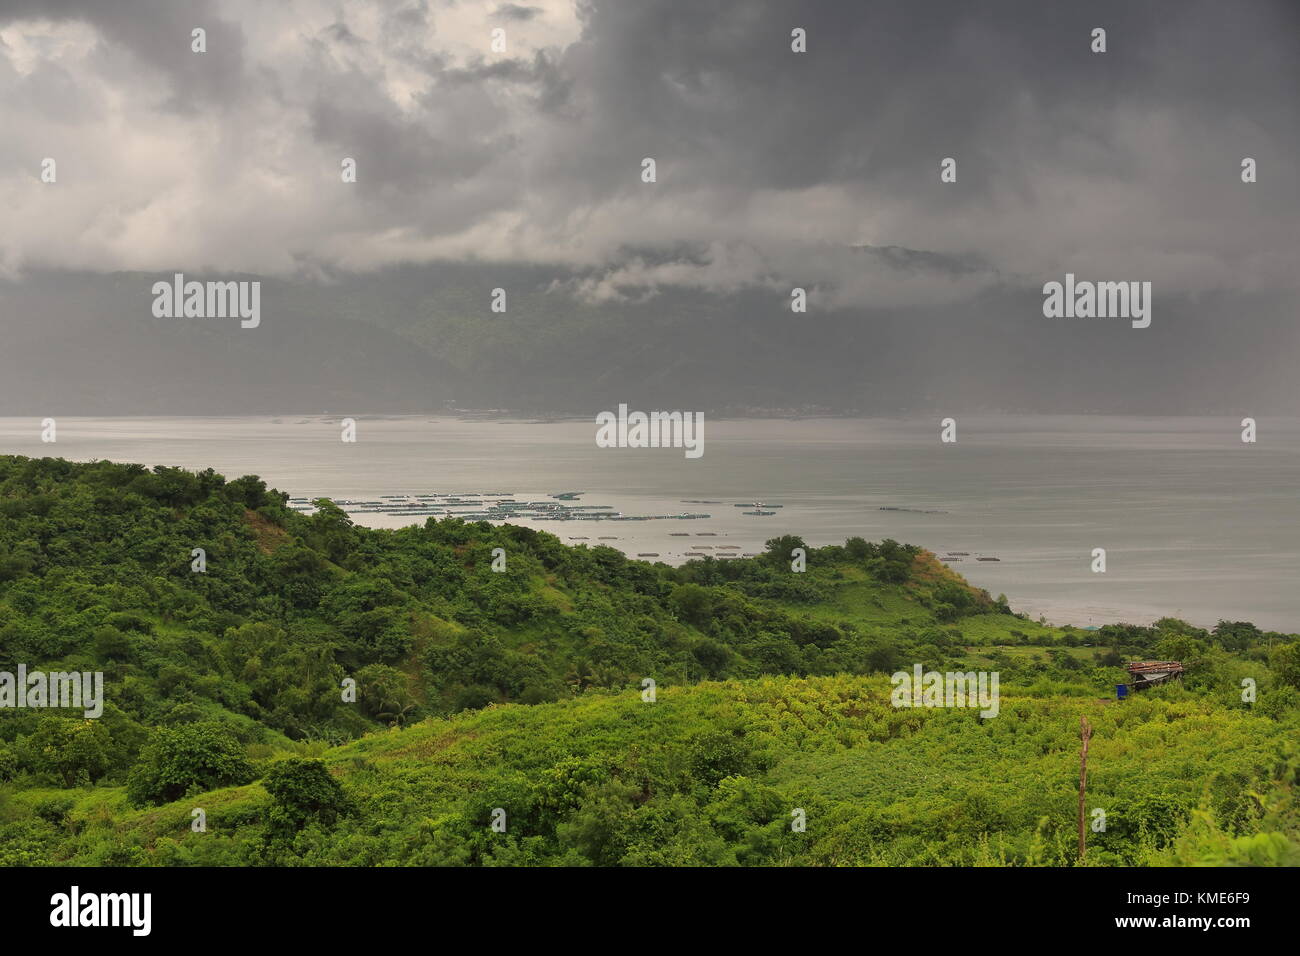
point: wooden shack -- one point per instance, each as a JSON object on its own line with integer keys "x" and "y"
{"x": 1146, "y": 674}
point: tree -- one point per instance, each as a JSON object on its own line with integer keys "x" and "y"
{"x": 893, "y": 563}
{"x": 192, "y": 757}
{"x": 692, "y": 604}
{"x": 1285, "y": 661}
{"x": 1236, "y": 635}
{"x": 715, "y": 754}
{"x": 1179, "y": 647}
{"x": 601, "y": 827}
{"x": 779, "y": 549}
{"x": 75, "y": 751}
{"x": 111, "y": 644}
{"x": 302, "y": 792}
{"x": 384, "y": 694}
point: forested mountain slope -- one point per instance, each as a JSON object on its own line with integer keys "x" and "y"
{"x": 230, "y": 691}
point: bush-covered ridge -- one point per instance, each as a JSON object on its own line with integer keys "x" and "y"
{"x": 218, "y": 679}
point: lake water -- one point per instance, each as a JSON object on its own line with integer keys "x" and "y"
{"x": 1195, "y": 523}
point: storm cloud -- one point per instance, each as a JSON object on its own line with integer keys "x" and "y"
{"x": 1066, "y": 158}
{"x": 775, "y": 169}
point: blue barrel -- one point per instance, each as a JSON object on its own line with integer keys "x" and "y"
{"x": 1121, "y": 691}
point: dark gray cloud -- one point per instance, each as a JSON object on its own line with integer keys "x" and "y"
{"x": 1066, "y": 158}
{"x": 775, "y": 169}
{"x": 1057, "y": 147}
{"x": 157, "y": 34}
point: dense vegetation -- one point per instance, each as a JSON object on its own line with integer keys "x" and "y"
{"x": 230, "y": 691}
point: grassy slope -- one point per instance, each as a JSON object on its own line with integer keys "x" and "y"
{"x": 879, "y": 785}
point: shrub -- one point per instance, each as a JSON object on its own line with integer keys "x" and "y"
{"x": 187, "y": 758}
{"x": 302, "y": 792}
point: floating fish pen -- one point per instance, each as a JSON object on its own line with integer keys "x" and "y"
{"x": 758, "y": 512}
{"x": 988, "y": 559}
{"x": 475, "y": 506}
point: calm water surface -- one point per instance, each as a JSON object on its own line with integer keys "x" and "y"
{"x": 1195, "y": 523}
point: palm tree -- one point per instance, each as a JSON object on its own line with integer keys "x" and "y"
{"x": 398, "y": 712}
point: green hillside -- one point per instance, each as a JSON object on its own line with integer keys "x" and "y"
{"x": 516, "y": 699}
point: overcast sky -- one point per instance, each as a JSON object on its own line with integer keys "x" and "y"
{"x": 772, "y": 165}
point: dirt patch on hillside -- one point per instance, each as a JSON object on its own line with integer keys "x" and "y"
{"x": 267, "y": 535}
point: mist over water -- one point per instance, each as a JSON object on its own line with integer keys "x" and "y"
{"x": 1196, "y": 524}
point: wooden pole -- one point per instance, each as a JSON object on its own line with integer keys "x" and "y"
{"x": 1085, "y": 732}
